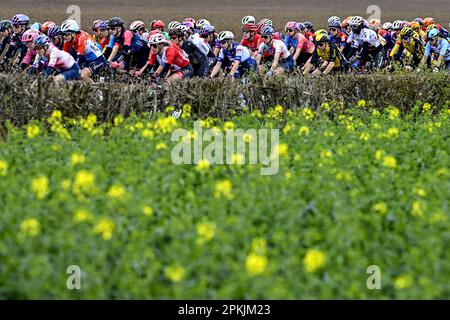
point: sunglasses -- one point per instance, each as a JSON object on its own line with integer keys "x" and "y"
{"x": 67, "y": 34}
{"x": 95, "y": 29}
{"x": 405, "y": 38}
{"x": 265, "y": 37}
{"x": 154, "y": 46}
{"x": 289, "y": 30}
{"x": 112, "y": 28}
{"x": 334, "y": 29}
{"x": 173, "y": 37}
{"x": 223, "y": 41}
{"x": 246, "y": 31}
{"x": 321, "y": 44}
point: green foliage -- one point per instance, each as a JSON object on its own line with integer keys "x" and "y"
{"x": 356, "y": 187}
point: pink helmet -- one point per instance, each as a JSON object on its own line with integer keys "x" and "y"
{"x": 30, "y": 35}
{"x": 192, "y": 20}
{"x": 291, "y": 25}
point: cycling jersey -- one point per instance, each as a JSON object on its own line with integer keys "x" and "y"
{"x": 330, "y": 54}
{"x": 416, "y": 47}
{"x": 29, "y": 56}
{"x": 299, "y": 41}
{"x": 254, "y": 44}
{"x": 442, "y": 49}
{"x": 237, "y": 52}
{"x": 276, "y": 46}
{"x": 340, "y": 39}
{"x": 195, "y": 39}
{"x": 196, "y": 56}
{"x": 4, "y": 43}
{"x": 85, "y": 46}
{"x": 172, "y": 55}
{"x": 127, "y": 39}
{"x": 15, "y": 45}
{"x": 310, "y": 36}
{"x": 59, "y": 59}
{"x": 365, "y": 36}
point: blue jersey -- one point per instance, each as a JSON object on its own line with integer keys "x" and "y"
{"x": 128, "y": 38}
{"x": 237, "y": 52}
{"x": 290, "y": 42}
{"x": 442, "y": 48}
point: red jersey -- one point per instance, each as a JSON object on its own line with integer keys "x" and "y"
{"x": 252, "y": 45}
{"x": 173, "y": 55}
{"x": 311, "y": 36}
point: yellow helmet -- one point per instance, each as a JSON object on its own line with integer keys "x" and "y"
{"x": 321, "y": 31}
{"x": 415, "y": 26}
{"x": 407, "y": 32}
{"x": 321, "y": 37}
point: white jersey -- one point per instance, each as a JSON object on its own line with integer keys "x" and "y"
{"x": 365, "y": 36}
{"x": 277, "y": 46}
{"x": 200, "y": 43}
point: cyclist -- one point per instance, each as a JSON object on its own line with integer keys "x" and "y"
{"x": 88, "y": 53}
{"x": 60, "y": 62}
{"x": 47, "y": 25}
{"x": 207, "y": 33}
{"x": 197, "y": 58}
{"x": 27, "y": 39}
{"x": 239, "y": 56}
{"x": 138, "y": 27}
{"x": 134, "y": 50}
{"x": 6, "y": 32}
{"x": 55, "y": 36}
{"x": 335, "y": 32}
{"x": 104, "y": 35}
{"x": 96, "y": 30}
{"x": 194, "y": 37}
{"x": 248, "y": 19}
{"x": 409, "y": 49}
{"x": 251, "y": 39}
{"x": 171, "y": 62}
{"x": 346, "y": 25}
{"x": 300, "y": 46}
{"x": 440, "y": 47}
{"x": 417, "y": 29}
{"x": 20, "y": 24}
{"x": 282, "y": 59}
{"x": 159, "y": 25}
{"x": 327, "y": 58}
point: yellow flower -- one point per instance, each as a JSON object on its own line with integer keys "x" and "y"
{"x": 403, "y": 281}
{"x": 165, "y": 125}
{"x": 116, "y": 192}
{"x": 376, "y": 113}
{"x": 65, "y": 184}
{"x": 417, "y": 210}
{"x": 314, "y": 260}
{"x": 308, "y": 113}
{"x": 118, "y": 120}
{"x": 365, "y": 136}
{"x": 84, "y": 181}
{"x": 40, "y": 186}
{"x": 237, "y": 159}
{"x": 105, "y": 227}
{"x": 206, "y": 231}
{"x": 256, "y": 264}
{"x": 392, "y": 132}
{"x": 325, "y": 106}
{"x": 257, "y": 114}
{"x": 438, "y": 216}
{"x": 148, "y": 211}
{"x": 223, "y": 189}
{"x": 81, "y": 215}
{"x": 175, "y": 273}
{"x": 361, "y": 103}
{"x": 91, "y": 119}
{"x": 161, "y": 146}
{"x": 328, "y": 134}
{"x": 379, "y": 154}
{"x": 30, "y": 227}
{"x": 278, "y": 109}
{"x": 420, "y": 192}
{"x": 393, "y": 112}
{"x": 303, "y": 131}
{"x": 326, "y": 154}
{"x": 228, "y": 125}
{"x": 139, "y": 125}
{"x": 380, "y": 207}
{"x": 77, "y": 158}
{"x": 33, "y": 131}
{"x": 187, "y": 108}
{"x": 147, "y": 133}
{"x": 282, "y": 149}
{"x": 203, "y": 165}
{"x": 3, "y": 168}
{"x": 426, "y": 107}
{"x": 56, "y": 115}
{"x": 288, "y": 127}
{"x": 390, "y": 162}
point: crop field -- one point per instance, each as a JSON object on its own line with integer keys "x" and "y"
{"x": 356, "y": 206}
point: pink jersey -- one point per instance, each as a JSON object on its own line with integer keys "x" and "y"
{"x": 29, "y": 56}
{"x": 277, "y": 46}
{"x": 304, "y": 43}
{"x": 59, "y": 59}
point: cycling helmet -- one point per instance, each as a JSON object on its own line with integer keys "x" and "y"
{"x": 47, "y": 25}
{"x": 250, "y": 27}
{"x": 95, "y": 24}
{"x": 267, "y": 31}
{"x": 432, "y": 34}
{"x": 248, "y": 19}
{"x": 30, "y": 35}
{"x": 415, "y": 26}
{"x": 419, "y": 21}
{"x": 300, "y": 26}
{"x": 321, "y": 31}
{"x": 200, "y": 23}
{"x": 375, "y": 24}
{"x": 189, "y": 20}
{"x": 428, "y": 21}
{"x": 431, "y": 27}
{"x": 291, "y": 25}
{"x": 104, "y": 25}
{"x": 346, "y": 21}
{"x": 70, "y": 26}
{"x": 333, "y": 21}
{"x": 189, "y": 24}
{"x": 157, "y": 24}
{"x": 321, "y": 37}
{"x": 36, "y": 26}
{"x": 20, "y": 20}
{"x": 5, "y": 24}
{"x": 173, "y": 25}
{"x": 406, "y": 24}
{"x": 266, "y": 22}
{"x": 397, "y": 25}
{"x": 308, "y": 25}
{"x": 407, "y": 32}
{"x": 335, "y": 24}
{"x": 356, "y": 21}
{"x": 387, "y": 26}
{"x": 54, "y": 32}
{"x": 157, "y": 39}
{"x": 137, "y": 25}
{"x": 115, "y": 22}
{"x": 207, "y": 29}
{"x": 183, "y": 28}
{"x": 41, "y": 41}
{"x": 177, "y": 32}
{"x": 225, "y": 35}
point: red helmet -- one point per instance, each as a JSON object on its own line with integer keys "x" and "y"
{"x": 250, "y": 27}
{"x": 157, "y": 24}
{"x": 47, "y": 25}
{"x": 428, "y": 21}
{"x": 192, "y": 20}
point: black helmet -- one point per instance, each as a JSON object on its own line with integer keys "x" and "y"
{"x": 177, "y": 32}
{"x": 5, "y": 24}
{"x": 308, "y": 24}
{"x": 115, "y": 22}
{"x": 54, "y": 32}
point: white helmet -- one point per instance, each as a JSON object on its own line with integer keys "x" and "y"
{"x": 70, "y": 26}
{"x": 248, "y": 19}
{"x": 173, "y": 25}
{"x": 157, "y": 39}
{"x": 387, "y": 26}
{"x": 200, "y": 23}
{"x": 356, "y": 21}
{"x": 137, "y": 25}
{"x": 333, "y": 20}
{"x": 266, "y": 22}
{"x": 225, "y": 35}
{"x": 183, "y": 28}
{"x": 397, "y": 25}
